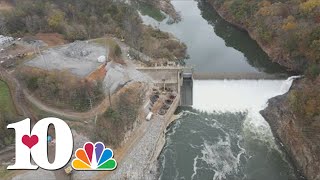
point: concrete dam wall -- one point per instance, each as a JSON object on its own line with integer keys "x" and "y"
{"x": 187, "y": 92}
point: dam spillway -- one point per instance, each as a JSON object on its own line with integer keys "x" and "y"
{"x": 187, "y": 81}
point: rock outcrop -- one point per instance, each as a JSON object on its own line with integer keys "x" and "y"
{"x": 300, "y": 139}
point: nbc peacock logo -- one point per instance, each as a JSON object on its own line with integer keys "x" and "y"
{"x": 94, "y": 157}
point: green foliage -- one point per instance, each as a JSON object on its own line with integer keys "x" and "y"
{"x": 6, "y": 105}
{"x": 111, "y": 114}
{"x": 8, "y": 115}
{"x": 312, "y": 71}
{"x": 242, "y": 10}
{"x": 86, "y": 19}
{"x": 291, "y": 44}
{"x": 309, "y": 5}
{"x": 289, "y": 29}
{"x": 150, "y": 10}
{"x": 315, "y": 35}
{"x": 76, "y": 19}
{"x": 56, "y": 19}
{"x": 75, "y": 32}
{"x": 312, "y": 45}
{"x": 6, "y": 135}
{"x": 32, "y": 83}
{"x": 117, "y": 50}
{"x": 264, "y": 33}
{"x": 305, "y": 102}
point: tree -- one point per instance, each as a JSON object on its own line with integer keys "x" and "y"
{"x": 3, "y": 28}
{"x": 309, "y": 5}
{"x": 289, "y": 24}
{"x": 131, "y": 25}
{"x": 56, "y": 19}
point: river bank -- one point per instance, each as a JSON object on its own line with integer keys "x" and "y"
{"x": 279, "y": 29}
{"x": 141, "y": 161}
{"x": 299, "y": 138}
{"x": 301, "y": 148}
{"x": 271, "y": 51}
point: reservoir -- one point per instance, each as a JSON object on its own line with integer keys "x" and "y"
{"x": 213, "y": 44}
{"x": 222, "y": 136}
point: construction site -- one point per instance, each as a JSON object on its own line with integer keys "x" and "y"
{"x": 81, "y": 58}
{"x": 89, "y": 61}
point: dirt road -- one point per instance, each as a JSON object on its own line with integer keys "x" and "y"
{"x": 101, "y": 108}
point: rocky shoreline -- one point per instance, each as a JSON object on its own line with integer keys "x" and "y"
{"x": 295, "y": 137}
{"x": 142, "y": 161}
{"x": 271, "y": 51}
{"x": 301, "y": 150}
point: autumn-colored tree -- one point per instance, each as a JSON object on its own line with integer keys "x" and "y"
{"x": 56, "y": 19}
{"x": 289, "y": 23}
{"x": 309, "y": 5}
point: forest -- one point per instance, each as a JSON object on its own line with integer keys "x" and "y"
{"x": 75, "y": 19}
{"x": 290, "y": 28}
{"x": 86, "y": 19}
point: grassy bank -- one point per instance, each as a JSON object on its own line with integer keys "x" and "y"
{"x": 6, "y": 105}
{"x": 8, "y": 114}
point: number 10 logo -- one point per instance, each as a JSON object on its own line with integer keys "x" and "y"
{"x": 34, "y": 143}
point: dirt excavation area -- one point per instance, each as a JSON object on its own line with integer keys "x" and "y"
{"x": 80, "y": 58}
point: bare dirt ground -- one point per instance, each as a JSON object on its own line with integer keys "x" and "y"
{"x": 98, "y": 74}
{"x": 51, "y": 39}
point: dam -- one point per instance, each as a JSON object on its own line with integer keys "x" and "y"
{"x": 219, "y": 123}
{"x": 181, "y": 78}
{"x": 221, "y": 134}
{"x": 188, "y": 77}
{"x": 178, "y": 78}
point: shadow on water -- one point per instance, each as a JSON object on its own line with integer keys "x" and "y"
{"x": 239, "y": 40}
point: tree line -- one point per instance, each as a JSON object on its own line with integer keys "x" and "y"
{"x": 75, "y": 19}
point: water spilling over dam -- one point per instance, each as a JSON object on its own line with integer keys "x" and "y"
{"x": 219, "y": 133}
{"x": 223, "y": 136}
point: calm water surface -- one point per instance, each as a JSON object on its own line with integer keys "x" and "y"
{"x": 213, "y": 44}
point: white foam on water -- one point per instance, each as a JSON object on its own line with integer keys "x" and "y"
{"x": 220, "y": 157}
{"x": 195, "y": 168}
{"x": 236, "y": 95}
{"x": 249, "y": 96}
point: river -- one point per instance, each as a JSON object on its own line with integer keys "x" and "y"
{"x": 222, "y": 136}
